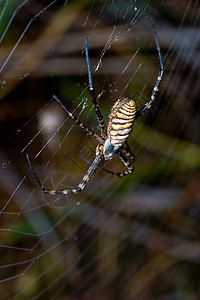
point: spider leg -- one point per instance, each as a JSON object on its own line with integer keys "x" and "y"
{"x": 77, "y": 121}
{"x": 72, "y": 191}
{"x": 93, "y": 95}
{"x": 125, "y": 161}
{"x": 156, "y": 88}
{"x": 99, "y": 168}
{"x": 128, "y": 152}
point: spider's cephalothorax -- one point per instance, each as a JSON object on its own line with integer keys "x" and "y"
{"x": 120, "y": 123}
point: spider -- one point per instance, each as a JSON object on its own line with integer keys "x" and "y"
{"x": 120, "y": 123}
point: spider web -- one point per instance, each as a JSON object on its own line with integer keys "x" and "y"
{"x": 115, "y": 238}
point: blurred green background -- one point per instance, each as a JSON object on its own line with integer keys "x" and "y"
{"x": 135, "y": 237}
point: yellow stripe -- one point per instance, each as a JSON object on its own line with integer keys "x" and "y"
{"x": 81, "y": 186}
{"x": 121, "y": 121}
{"x": 120, "y": 126}
{"x": 52, "y": 192}
{"x": 125, "y": 117}
{"x": 126, "y": 112}
{"x": 131, "y": 109}
{"x": 86, "y": 177}
{"x": 119, "y": 138}
{"x": 132, "y": 103}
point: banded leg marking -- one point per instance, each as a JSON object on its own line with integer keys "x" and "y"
{"x": 72, "y": 191}
{"x": 128, "y": 152}
{"x": 128, "y": 165}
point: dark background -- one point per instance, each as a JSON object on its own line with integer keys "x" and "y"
{"x": 135, "y": 237}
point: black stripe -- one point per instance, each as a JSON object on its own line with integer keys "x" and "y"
{"x": 129, "y": 114}
{"x": 116, "y": 117}
{"x": 115, "y": 137}
{"x": 126, "y": 121}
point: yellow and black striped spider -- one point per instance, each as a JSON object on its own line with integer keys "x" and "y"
{"x": 120, "y": 123}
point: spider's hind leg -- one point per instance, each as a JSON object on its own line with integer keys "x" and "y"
{"x": 128, "y": 165}
{"x": 127, "y": 152}
{"x": 126, "y": 162}
{"x": 72, "y": 191}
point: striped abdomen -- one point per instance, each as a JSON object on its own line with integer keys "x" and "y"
{"x": 121, "y": 120}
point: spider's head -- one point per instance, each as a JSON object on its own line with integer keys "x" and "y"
{"x": 109, "y": 149}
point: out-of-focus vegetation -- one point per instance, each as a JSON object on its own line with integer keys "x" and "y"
{"x": 122, "y": 238}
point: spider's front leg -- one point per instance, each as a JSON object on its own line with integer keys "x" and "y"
{"x": 100, "y": 117}
{"x": 156, "y": 88}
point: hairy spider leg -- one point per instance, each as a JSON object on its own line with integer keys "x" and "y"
{"x": 125, "y": 161}
{"x": 72, "y": 191}
{"x": 100, "y": 117}
{"x": 155, "y": 91}
{"x": 80, "y": 124}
